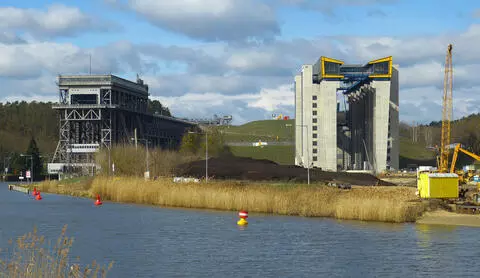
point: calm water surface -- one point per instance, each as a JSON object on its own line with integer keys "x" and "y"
{"x": 158, "y": 242}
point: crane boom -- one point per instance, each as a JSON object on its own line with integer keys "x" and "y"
{"x": 447, "y": 111}
{"x": 455, "y": 155}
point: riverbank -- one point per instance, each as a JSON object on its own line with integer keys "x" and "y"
{"x": 387, "y": 204}
{"x": 441, "y": 217}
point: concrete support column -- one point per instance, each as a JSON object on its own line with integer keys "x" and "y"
{"x": 380, "y": 123}
{"x": 298, "y": 120}
{"x": 307, "y": 91}
{"x": 394, "y": 111}
{"x": 327, "y": 127}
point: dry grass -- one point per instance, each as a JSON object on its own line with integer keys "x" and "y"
{"x": 29, "y": 258}
{"x": 388, "y": 204}
{"x": 130, "y": 161}
{"x": 79, "y": 187}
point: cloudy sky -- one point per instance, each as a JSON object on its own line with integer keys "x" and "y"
{"x": 238, "y": 57}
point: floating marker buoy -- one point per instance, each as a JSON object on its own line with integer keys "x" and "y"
{"x": 98, "y": 202}
{"x": 243, "y": 218}
{"x": 38, "y": 197}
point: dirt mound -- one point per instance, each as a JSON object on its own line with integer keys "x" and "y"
{"x": 241, "y": 168}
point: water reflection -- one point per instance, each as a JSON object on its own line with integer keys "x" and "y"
{"x": 242, "y": 228}
{"x": 387, "y": 227}
{"x": 424, "y": 240}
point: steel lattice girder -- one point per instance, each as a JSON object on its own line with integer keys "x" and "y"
{"x": 83, "y": 114}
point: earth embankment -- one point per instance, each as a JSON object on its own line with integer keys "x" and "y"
{"x": 240, "y": 168}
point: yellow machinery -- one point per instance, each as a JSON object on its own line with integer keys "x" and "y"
{"x": 437, "y": 185}
{"x": 447, "y": 112}
{"x": 442, "y": 184}
{"x": 462, "y": 176}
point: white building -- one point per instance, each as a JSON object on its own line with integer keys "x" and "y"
{"x": 347, "y": 115}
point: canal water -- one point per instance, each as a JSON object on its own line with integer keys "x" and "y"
{"x": 159, "y": 242}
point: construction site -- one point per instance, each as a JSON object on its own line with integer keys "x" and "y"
{"x": 346, "y": 121}
{"x": 459, "y": 188}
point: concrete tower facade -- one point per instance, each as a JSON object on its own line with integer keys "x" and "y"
{"x": 347, "y": 115}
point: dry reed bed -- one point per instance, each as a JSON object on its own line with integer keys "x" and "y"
{"x": 387, "y": 204}
{"x": 32, "y": 256}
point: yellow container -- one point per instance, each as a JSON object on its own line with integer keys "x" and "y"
{"x": 437, "y": 185}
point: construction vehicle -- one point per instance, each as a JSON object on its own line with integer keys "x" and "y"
{"x": 463, "y": 176}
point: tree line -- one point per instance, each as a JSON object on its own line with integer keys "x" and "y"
{"x": 464, "y": 131}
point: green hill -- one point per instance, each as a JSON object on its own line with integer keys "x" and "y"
{"x": 268, "y": 130}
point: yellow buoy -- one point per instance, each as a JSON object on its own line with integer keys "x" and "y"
{"x": 242, "y": 222}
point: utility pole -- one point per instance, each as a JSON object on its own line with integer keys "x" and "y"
{"x": 206, "y": 156}
{"x": 135, "y": 136}
{"x": 31, "y": 165}
{"x": 5, "y": 167}
{"x": 147, "y": 167}
{"x": 206, "y": 153}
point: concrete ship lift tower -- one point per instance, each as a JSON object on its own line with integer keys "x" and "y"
{"x": 347, "y": 115}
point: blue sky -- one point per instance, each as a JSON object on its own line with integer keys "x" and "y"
{"x": 239, "y": 57}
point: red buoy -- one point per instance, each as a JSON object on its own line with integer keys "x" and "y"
{"x": 243, "y": 214}
{"x": 98, "y": 202}
{"x": 35, "y": 192}
{"x": 39, "y": 197}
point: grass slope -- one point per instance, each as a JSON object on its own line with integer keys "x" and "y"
{"x": 268, "y": 130}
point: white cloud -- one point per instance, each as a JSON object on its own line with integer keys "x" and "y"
{"x": 272, "y": 99}
{"x": 56, "y": 20}
{"x": 250, "y": 80}
{"x": 211, "y": 20}
{"x": 250, "y": 60}
{"x": 424, "y": 104}
{"x": 42, "y": 88}
{"x": 242, "y": 106}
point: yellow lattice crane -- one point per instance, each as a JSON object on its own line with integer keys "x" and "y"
{"x": 447, "y": 112}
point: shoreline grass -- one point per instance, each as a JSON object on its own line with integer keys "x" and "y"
{"x": 386, "y": 204}
{"x": 29, "y": 257}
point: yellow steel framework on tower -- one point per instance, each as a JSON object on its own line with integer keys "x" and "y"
{"x": 447, "y": 111}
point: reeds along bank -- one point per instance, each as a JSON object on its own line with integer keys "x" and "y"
{"x": 389, "y": 204}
